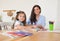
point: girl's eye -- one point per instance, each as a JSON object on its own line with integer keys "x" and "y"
{"x": 22, "y": 16}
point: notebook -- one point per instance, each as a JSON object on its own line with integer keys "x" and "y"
{"x": 20, "y": 33}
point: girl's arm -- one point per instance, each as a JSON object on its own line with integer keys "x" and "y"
{"x": 19, "y": 27}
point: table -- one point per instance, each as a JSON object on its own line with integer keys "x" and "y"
{"x": 37, "y": 36}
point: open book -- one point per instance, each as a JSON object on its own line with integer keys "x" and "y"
{"x": 19, "y": 33}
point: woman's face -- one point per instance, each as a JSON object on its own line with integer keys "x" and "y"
{"x": 36, "y": 10}
{"x": 21, "y": 17}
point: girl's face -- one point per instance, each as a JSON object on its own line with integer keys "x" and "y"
{"x": 21, "y": 17}
{"x": 36, "y": 10}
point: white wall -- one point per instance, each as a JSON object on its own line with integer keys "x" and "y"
{"x": 24, "y": 5}
{"x": 49, "y": 9}
{"x": 58, "y": 16}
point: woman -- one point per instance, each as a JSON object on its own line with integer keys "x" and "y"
{"x": 36, "y": 20}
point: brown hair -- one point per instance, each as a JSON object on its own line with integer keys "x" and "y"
{"x": 33, "y": 15}
{"x": 20, "y": 12}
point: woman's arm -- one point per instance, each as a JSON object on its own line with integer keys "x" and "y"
{"x": 39, "y": 26}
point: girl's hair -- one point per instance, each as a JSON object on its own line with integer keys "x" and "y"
{"x": 33, "y": 15}
{"x": 20, "y": 12}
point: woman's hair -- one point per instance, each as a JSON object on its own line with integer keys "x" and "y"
{"x": 33, "y": 15}
{"x": 20, "y": 12}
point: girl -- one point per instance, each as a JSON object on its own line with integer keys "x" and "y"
{"x": 20, "y": 21}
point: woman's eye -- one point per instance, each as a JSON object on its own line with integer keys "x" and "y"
{"x": 20, "y": 16}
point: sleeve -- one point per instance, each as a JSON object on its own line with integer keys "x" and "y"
{"x": 28, "y": 22}
{"x": 16, "y": 23}
{"x": 42, "y": 21}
